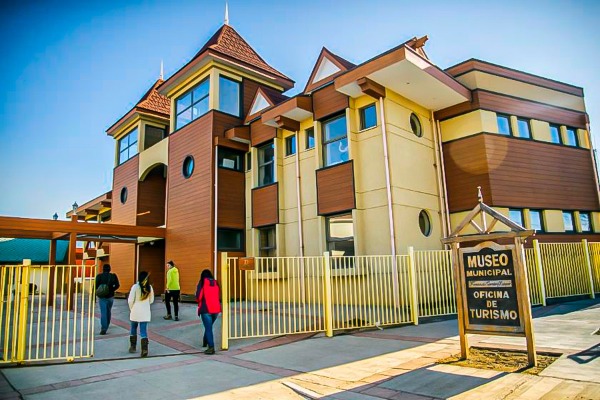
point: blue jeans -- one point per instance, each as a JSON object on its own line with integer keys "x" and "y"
{"x": 105, "y": 308}
{"x": 143, "y": 329}
{"x": 208, "y": 320}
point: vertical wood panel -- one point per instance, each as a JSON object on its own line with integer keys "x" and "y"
{"x": 122, "y": 262}
{"x": 151, "y": 198}
{"x": 328, "y": 101}
{"x": 231, "y": 200}
{"x": 265, "y": 206}
{"x": 335, "y": 189}
{"x": 260, "y": 133}
{"x": 152, "y": 260}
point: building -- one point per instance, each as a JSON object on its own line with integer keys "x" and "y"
{"x": 368, "y": 159}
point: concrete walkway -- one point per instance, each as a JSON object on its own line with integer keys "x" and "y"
{"x": 394, "y": 363}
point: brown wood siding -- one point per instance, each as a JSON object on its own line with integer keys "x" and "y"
{"x": 189, "y": 217}
{"x": 335, "y": 189}
{"x": 231, "y": 200}
{"x": 518, "y": 173}
{"x": 510, "y": 105}
{"x": 221, "y": 122}
{"x": 249, "y": 88}
{"x": 122, "y": 263}
{"x": 328, "y": 101}
{"x": 261, "y": 133}
{"x": 152, "y": 260}
{"x": 151, "y": 198}
{"x": 125, "y": 175}
{"x": 265, "y": 206}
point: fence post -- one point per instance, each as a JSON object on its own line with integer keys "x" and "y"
{"x": 225, "y": 300}
{"x": 588, "y": 264}
{"x": 414, "y": 302}
{"x": 538, "y": 268}
{"x": 23, "y": 311}
{"x": 327, "y": 298}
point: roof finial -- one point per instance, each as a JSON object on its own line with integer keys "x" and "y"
{"x": 226, "y": 13}
{"x": 479, "y": 195}
{"x": 162, "y": 70}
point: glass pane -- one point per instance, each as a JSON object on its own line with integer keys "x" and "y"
{"x": 184, "y": 118}
{"x": 584, "y": 219}
{"x": 336, "y": 152}
{"x": 229, "y": 239}
{"x": 310, "y": 138}
{"x": 267, "y": 238}
{"x": 335, "y": 129}
{"x": 503, "y": 125}
{"x": 554, "y": 134}
{"x": 568, "y": 221}
{"x": 265, "y": 174}
{"x": 201, "y": 91}
{"x": 266, "y": 154}
{"x": 368, "y": 117}
{"x": 536, "y": 220}
{"x": 341, "y": 248}
{"x": 290, "y": 145}
{"x": 340, "y": 235}
{"x": 153, "y": 136}
{"x": 230, "y": 159}
{"x": 184, "y": 102}
{"x": 123, "y": 156}
{"x": 123, "y": 143}
{"x": 133, "y": 150}
{"x": 571, "y": 137}
{"x": 516, "y": 216}
{"x": 200, "y": 108}
{"x": 523, "y": 128}
{"x": 229, "y": 96}
{"x": 415, "y": 125}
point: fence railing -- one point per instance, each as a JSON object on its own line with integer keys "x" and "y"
{"x": 285, "y": 295}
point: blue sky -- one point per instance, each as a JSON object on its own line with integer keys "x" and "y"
{"x": 70, "y": 69}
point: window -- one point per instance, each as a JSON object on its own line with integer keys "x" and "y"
{"x": 230, "y": 159}
{"x": 230, "y": 239}
{"x": 368, "y": 117}
{"x": 503, "y": 124}
{"x": 516, "y": 215}
{"x": 424, "y": 223}
{"x": 188, "y": 167}
{"x": 340, "y": 235}
{"x": 555, "y": 134}
{"x": 128, "y": 146}
{"x": 229, "y": 96}
{"x": 335, "y": 141}
{"x": 248, "y": 161}
{"x": 267, "y": 246}
{"x": 266, "y": 164}
{"x": 192, "y": 104}
{"x": 153, "y": 135}
{"x": 310, "y": 138}
{"x": 524, "y": 130}
{"x": 536, "y": 219}
{"x": 290, "y": 145}
{"x": 571, "y": 139}
{"x": 415, "y": 125}
{"x": 584, "y": 220}
{"x": 123, "y": 195}
{"x": 568, "y": 221}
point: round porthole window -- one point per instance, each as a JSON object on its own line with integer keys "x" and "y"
{"x": 188, "y": 167}
{"x": 415, "y": 125}
{"x": 424, "y": 223}
{"x": 123, "y": 195}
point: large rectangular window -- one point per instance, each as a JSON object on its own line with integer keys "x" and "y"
{"x": 230, "y": 159}
{"x": 192, "y": 104}
{"x": 230, "y": 239}
{"x": 368, "y": 116}
{"x": 537, "y": 221}
{"x": 340, "y": 235}
{"x": 266, "y": 164}
{"x": 290, "y": 145}
{"x": 229, "y": 96}
{"x": 524, "y": 129}
{"x": 310, "y": 138}
{"x": 335, "y": 141}
{"x": 568, "y": 221}
{"x": 585, "y": 221}
{"x": 516, "y": 215}
{"x": 248, "y": 161}
{"x": 153, "y": 135}
{"x": 504, "y": 124}
{"x": 128, "y": 146}
{"x": 267, "y": 245}
{"x": 555, "y": 134}
{"x": 571, "y": 139}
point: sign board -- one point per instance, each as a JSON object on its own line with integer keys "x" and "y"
{"x": 491, "y": 297}
{"x": 246, "y": 263}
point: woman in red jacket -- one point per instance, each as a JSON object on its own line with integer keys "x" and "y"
{"x": 209, "y": 307}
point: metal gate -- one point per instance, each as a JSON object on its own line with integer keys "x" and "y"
{"x": 46, "y": 312}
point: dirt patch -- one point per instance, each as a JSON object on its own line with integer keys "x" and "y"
{"x": 500, "y": 360}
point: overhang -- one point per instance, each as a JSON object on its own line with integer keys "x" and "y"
{"x": 99, "y": 205}
{"x": 408, "y": 74}
{"x": 287, "y": 114}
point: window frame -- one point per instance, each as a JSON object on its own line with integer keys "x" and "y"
{"x": 240, "y": 95}
{"x": 589, "y": 216}
{"x": 560, "y": 141}
{"x": 222, "y": 152}
{"x": 521, "y": 213}
{"x": 574, "y": 130}
{"x": 309, "y": 133}
{"x": 193, "y": 102}
{"x": 291, "y": 145}
{"x": 427, "y": 218}
{"x": 270, "y": 164}
{"x": 418, "y": 130}
{"x": 542, "y": 221}
{"x": 188, "y": 160}
{"x": 362, "y": 116}
{"x": 267, "y": 248}
{"x": 248, "y": 161}
{"x": 573, "y": 227}
{"x": 527, "y": 122}
{"x": 129, "y": 145}
{"x": 242, "y": 246}
{"x": 326, "y": 143}
{"x": 329, "y": 239}
{"x": 510, "y": 132}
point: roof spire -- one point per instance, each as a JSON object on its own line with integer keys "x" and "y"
{"x": 161, "y": 70}
{"x": 226, "y": 13}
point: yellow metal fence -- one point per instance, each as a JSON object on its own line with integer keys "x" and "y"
{"x": 45, "y": 314}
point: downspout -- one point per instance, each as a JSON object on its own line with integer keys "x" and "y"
{"x": 443, "y": 169}
{"x": 593, "y": 154}
{"x": 389, "y": 201}
{"x": 216, "y": 208}
{"x": 438, "y": 170}
{"x": 298, "y": 198}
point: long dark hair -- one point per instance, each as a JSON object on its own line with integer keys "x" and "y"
{"x": 206, "y": 274}
{"x": 144, "y": 283}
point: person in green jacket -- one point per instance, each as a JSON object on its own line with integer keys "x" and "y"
{"x": 172, "y": 291}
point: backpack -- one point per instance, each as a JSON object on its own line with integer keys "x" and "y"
{"x": 104, "y": 289}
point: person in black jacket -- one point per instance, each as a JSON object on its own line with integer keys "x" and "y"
{"x": 106, "y": 303}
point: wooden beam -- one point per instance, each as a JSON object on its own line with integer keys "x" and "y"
{"x": 239, "y": 134}
{"x": 371, "y": 88}
{"x": 287, "y": 123}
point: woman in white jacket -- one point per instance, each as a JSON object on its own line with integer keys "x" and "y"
{"x": 141, "y": 296}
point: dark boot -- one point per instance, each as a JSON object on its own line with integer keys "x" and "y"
{"x": 210, "y": 350}
{"x": 132, "y": 343}
{"x": 204, "y": 343}
{"x": 144, "y": 347}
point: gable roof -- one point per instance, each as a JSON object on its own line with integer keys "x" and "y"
{"x": 151, "y": 102}
{"x": 342, "y": 64}
{"x": 271, "y": 96}
{"x": 14, "y": 251}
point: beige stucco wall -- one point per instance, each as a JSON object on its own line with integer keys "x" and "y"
{"x": 468, "y": 124}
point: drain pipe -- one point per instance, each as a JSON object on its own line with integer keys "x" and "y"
{"x": 390, "y": 205}
{"x": 443, "y": 170}
{"x": 216, "y": 208}
{"x": 298, "y": 198}
{"x": 438, "y": 170}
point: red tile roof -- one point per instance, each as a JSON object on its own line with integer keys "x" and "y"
{"x": 153, "y": 101}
